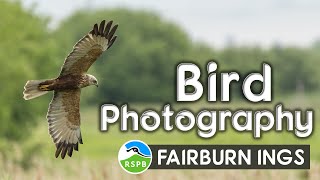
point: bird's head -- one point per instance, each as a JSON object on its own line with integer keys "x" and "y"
{"x": 92, "y": 80}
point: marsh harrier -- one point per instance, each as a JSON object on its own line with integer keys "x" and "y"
{"x": 63, "y": 114}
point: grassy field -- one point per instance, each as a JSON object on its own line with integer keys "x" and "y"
{"x": 97, "y": 157}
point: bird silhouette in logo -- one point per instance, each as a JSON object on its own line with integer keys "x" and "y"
{"x": 136, "y": 150}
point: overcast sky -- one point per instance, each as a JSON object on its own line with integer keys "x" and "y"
{"x": 217, "y": 22}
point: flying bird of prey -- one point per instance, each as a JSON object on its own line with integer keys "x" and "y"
{"x": 63, "y": 114}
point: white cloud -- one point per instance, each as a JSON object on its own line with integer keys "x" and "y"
{"x": 246, "y": 21}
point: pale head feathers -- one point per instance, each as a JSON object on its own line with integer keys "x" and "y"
{"x": 92, "y": 80}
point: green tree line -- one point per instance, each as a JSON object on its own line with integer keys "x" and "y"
{"x": 140, "y": 66}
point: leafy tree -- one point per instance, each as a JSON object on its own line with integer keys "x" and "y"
{"x": 243, "y": 60}
{"x": 25, "y": 53}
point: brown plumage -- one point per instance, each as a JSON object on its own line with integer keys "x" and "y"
{"x": 64, "y": 109}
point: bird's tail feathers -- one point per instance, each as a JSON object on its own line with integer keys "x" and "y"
{"x": 31, "y": 89}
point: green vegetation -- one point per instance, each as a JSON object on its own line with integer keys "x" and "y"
{"x": 26, "y": 52}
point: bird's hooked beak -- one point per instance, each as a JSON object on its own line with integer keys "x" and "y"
{"x": 97, "y": 85}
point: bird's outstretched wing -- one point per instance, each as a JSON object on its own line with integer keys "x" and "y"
{"x": 89, "y": 48}
{"x": 64, "y": 121}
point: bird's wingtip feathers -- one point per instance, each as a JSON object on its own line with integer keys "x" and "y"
{"x": 63, "y": 149}
{"x": 106, "y": 31}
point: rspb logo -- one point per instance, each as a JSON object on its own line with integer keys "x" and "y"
{"x": 135, "y": 156}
